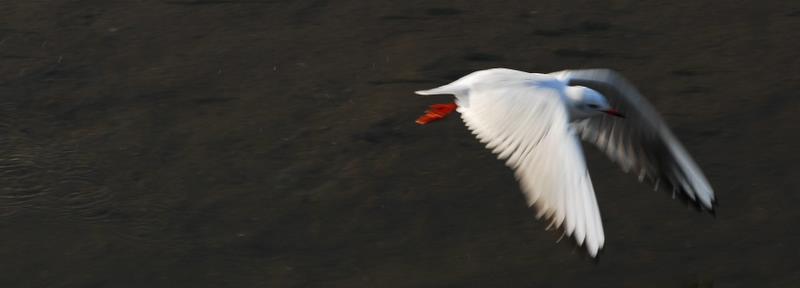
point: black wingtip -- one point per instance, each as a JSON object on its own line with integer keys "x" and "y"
{"x": 596, "y": 257}
{"x": 713, "y": 209}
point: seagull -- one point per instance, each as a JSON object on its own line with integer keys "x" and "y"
{"x": 534, "y": 122}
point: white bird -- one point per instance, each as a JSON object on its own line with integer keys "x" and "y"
{"x": 533, "y": 121}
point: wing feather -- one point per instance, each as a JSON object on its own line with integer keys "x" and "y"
{"x": 526, "y": 123}
{"x": 642, "y": 142}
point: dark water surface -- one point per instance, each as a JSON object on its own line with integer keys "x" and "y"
{"x": 272, "y": 144}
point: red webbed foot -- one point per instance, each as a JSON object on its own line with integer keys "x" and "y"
{"x": 436, "y": 112}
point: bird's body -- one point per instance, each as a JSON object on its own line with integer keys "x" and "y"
{"x": 534, "y": 122}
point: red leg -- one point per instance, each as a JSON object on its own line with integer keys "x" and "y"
{"x": 436, "y": 112}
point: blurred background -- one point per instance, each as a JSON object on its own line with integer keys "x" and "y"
{"x": 250, "y": 143}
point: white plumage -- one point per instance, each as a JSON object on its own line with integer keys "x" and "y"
{"x": 533, "y": 121}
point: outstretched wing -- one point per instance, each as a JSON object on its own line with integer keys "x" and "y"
{"x": 641, "y": 142}
{"x": 526, "y": 124}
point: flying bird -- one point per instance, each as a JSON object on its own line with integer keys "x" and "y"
{"x": 534, "y": 122}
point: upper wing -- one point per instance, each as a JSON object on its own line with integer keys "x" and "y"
{"x": 642, "y": 142}
{"x": 525, "y": 122}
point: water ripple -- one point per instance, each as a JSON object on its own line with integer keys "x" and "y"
{"x": 59, "y": 177}
{"x": 40, "y": 175}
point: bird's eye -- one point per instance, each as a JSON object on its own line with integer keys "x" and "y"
{"x": 593, "y": 106}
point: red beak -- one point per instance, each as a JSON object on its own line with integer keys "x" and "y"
{"x": 614, "y": 112}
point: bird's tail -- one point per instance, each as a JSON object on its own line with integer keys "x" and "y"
{"x": 451, "y": 88}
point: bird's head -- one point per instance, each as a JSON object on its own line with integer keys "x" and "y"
{"x": 588, "y": 103}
